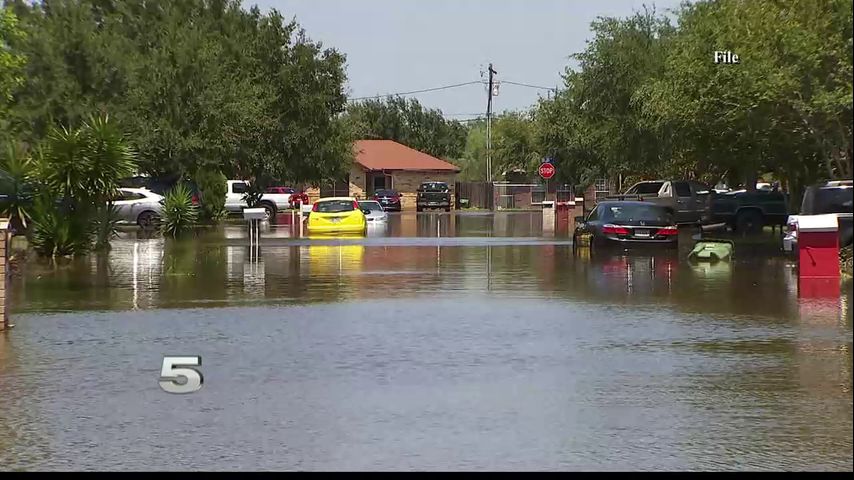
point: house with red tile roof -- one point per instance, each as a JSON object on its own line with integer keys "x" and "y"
{"x": 383, "y": 164}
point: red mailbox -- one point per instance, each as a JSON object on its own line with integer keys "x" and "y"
{"x": 818, "y": 246}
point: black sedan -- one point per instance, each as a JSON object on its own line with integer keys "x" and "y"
{"x": 389, "y": 199}
{"x": 625, "y": 224}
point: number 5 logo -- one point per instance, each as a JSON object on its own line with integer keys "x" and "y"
{"x": 181, "y": 380}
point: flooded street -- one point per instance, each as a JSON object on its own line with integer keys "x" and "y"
{"x": 442, "y": 341}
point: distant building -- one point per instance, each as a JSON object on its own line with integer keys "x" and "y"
{"x": 387, "y": 164}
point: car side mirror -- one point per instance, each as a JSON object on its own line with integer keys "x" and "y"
{"x": 579, "y": 220}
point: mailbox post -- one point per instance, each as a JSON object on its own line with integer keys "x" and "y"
{"x": 548, "y": 217}
{"x": 254, "y": 217}
{"x": 818, "y": 256}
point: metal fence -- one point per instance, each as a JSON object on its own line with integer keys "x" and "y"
{"x": 530, "y": 195}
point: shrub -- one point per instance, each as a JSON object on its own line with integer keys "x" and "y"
{"x": 213, "y": 188}
{"x": 58, "y": 231}
{"x": 78, "y": 170}
{"x": 179, "y": 214}
{"x": 16, "y": 181}
{"x": 86, "y": 163}
{"x": 106, "y": 223}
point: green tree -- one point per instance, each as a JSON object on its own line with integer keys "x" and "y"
{"x": 595, "y": 126}
{"x": 197, "y": 84}
{"x": 11, "y": 61}
{"x": 409, "y": 123}
{"x": 785, "y": 108}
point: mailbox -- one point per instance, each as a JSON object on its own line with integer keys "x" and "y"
{"x": 254, "y": 214}
{"x": 818, "y": 246}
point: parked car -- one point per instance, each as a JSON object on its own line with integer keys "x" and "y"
{"x": 374, "y": 211}
{"x": 139, "y": 205}
{"x": 627, "y": 223}
{"x": 161, "y": 186}
{"x": 298, "y": 199}
{"x": 389, "y": 199}
{"x": 270, "y": 202}
{"x": 749, "y": 212}
{"x": 829, "y": 198}
{"x": 433, "y": 195}
{"x": 337, "y": 215}
{"x": 689, "y": 199}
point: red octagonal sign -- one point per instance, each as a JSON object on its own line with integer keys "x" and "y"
{"x": 547, "y": 170}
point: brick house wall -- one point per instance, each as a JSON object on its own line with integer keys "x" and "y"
{"x": 404, "y": 181}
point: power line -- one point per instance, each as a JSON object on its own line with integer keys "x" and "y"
{"x": 445, "y": 87}
{"x": 462, "y": 114}
{"x": 528, "y": 85}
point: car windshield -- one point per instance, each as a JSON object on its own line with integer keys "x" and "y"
{"x": 635, "y": 213}
{"x": 372, "y": 206}
{"x": 645, "y": 188}
{"x": 335, "y": 206}
{"x": 433, "y": 187}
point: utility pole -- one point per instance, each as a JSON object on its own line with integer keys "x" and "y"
{"x": 492, "y": 72}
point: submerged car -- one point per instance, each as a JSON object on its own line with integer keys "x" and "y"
{"x": 389, "y": 199}
{"x": 337, "y": 215}
{"x": 138, "y": 205}
{"x": 374, "y": 212}
{"x": 627, "y": 223}
{"x": 433, "y": 195}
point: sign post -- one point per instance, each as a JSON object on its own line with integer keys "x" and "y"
{"x": 547, "y": 171}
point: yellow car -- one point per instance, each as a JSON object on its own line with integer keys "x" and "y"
{"x": 336, "y": 215}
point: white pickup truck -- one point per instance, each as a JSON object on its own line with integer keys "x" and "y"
{"x": 270, "y": 202}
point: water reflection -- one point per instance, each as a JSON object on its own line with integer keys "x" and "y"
{"x": 146, "y": 273}
{"x": 336, "y": 352}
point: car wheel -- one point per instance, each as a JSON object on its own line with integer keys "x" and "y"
{"x": 269, "y": 212}
{"x": 147, "y": 220}
{"x": 418, "y": 209}
{"x": 447, "y": 209}
{"x": 750, "y": 222}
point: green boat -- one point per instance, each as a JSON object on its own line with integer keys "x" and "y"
{"x": 709, "y": 250}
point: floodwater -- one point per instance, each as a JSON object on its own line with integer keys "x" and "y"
{"x": 440, "y": 342}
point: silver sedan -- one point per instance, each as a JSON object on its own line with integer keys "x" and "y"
{"x": 377, "y": 213}
{"x": 138, "y": 205}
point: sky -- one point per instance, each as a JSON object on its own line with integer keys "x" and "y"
{"x": 405, "y": 45}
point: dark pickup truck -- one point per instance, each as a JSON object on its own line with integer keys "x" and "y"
{"x": 695, "y": 202}
{"x": 433, "y": 195}
{"x": 748, "y": 212}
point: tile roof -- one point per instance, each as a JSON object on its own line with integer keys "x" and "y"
{"x": 390, "y": 155}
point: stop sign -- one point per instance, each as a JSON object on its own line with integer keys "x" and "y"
{"x": 547, "y": 170}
